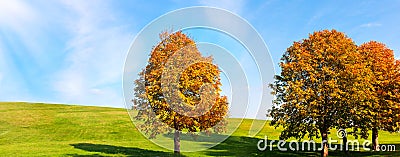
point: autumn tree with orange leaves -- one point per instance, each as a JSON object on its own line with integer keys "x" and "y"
{"x": 180, "y": 89}
{"x": 324, "y": 84}
{"x": 151, "y": 125}
{"x": 385, "y": 112}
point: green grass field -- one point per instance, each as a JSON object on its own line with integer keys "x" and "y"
{"x": 28, "y": 129}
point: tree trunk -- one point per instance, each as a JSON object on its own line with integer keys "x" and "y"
{"x": 375, "y": 143}
{"x": 177, "y": 139}
{"x": 324, "y": 144}
{"x": 177, "y": 142}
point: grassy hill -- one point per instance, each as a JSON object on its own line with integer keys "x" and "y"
{"x": 34, "y": 129}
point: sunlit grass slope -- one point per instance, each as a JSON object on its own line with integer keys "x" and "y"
{"x": 34, "y": 129}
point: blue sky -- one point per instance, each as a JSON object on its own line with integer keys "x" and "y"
{"x": 74, "y": 51}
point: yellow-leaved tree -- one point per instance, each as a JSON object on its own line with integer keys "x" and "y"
{"x": 179, "y": 89}
{"x": 324, "y": 84}
{"x": 385, "y": 112}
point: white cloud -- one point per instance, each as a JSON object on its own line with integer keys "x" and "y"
{"x": 12, "y": 86}
{"x": 315, "y": 19}
{"x": 15, "y": 13}
{"x": 20, "y": 18}
{"x": 233, "y": 6}
{"x": 2, "y": 57}
{"x": 28, "y": 26}
{"x": 96, "y": 53}
{"x": 371, "y": 25}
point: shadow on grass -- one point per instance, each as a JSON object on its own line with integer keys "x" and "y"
{"x": 247, "y": 146}
{"x": 114, "y": 150}
{"x": 233, "y": 146}
{"x": 199, "y": 138}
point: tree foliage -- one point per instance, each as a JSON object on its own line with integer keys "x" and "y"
{"x": 151, "y": 126}
{"x": 185, "y": 95}
{"x": 180, "y": 89}
{"x": 324, "y": 84}
{"x": 385, "y": 110}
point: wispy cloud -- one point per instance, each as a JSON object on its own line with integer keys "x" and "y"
{"x": 2, "y": 70}
{"x": 367, "y": 25}
{"x": 16, "y": 13}
{"x": 15, "y": 17}
{"x": 96, "y": 51}
{"x": 12, "y": 85}
{"x": 236, "y": 6}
